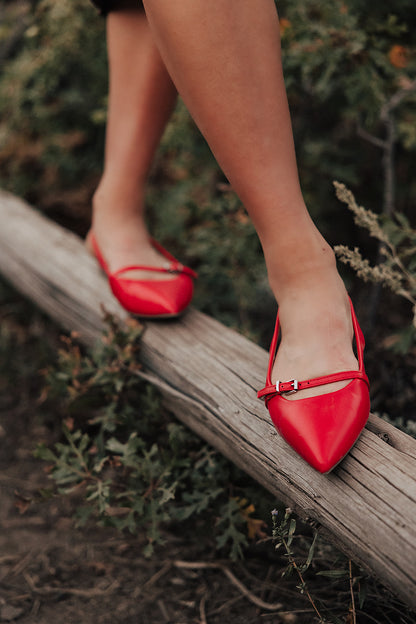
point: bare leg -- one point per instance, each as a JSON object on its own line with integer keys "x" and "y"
{"x": 225, "y": 60}
{"x": 141, "y": 99}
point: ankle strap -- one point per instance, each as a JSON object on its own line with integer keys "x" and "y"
{"x": 174, "y": 267}
{"x": 288, "y": 387}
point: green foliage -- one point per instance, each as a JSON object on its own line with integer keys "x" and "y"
{"x": 344, "y": 65}
{"x": 339, "y": 52}
{"x": 52, "y": 99}
{"x": 137, "y": 470}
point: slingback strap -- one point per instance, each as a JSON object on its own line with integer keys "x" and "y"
{"x": 288, "y": 387}
{"x": 174, "y": 267}
{"x": 273, "y": 389}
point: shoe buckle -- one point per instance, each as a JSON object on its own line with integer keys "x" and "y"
{"x": 175, "y": 267}
{"x": 294, "y": 386}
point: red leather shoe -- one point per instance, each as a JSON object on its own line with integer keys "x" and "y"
{"x": 162, "y": 298}
{"x": 324, "y": 428}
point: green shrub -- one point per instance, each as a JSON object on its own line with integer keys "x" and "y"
{"x": 53, "y": 99}
{"x": 134, "y": 467}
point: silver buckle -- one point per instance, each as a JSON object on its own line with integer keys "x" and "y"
{"x": 294, "y": 383}
{"x": 295, "y": 386}
{"x": 175, "y": 267}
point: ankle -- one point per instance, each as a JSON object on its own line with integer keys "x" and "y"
{"x": 113, "y": 198}
{"x": 304, "y": 273}
{"x": 310, "y": 313}
{"x": 118, "y": 220}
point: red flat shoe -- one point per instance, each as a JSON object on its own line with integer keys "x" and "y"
{"x": 324, "y": 428}
{"x": 163, "y": 298}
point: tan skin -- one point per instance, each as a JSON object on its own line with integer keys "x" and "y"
{"x": 141, "y": 99}
{"x": 224, "y": 58}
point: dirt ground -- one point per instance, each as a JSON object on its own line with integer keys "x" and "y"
{"x": 50, "y": 571}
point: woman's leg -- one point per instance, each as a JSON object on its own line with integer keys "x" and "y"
{"x": 141, "y": 99}
{"x": 224, "y": 58}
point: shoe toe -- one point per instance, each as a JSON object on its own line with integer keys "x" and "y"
{"x": 322, "y": 429}
{"x": 167, "y": 297}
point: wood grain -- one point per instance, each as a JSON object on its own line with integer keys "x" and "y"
{"x": 208, "y": 376}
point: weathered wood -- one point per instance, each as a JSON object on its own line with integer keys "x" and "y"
{"x": 208, "y": 375}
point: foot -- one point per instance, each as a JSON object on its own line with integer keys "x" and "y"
{"x": 316, "y": 336}
{"x": 123, "y": 238}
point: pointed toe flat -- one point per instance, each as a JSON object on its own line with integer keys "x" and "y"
{"x": 147, "y": 298}
{"x": 321, "y": 429}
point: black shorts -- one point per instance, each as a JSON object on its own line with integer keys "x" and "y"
{"x": 105, "y": 6}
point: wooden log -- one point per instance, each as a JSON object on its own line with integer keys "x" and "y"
{"x": 208, "y": 375}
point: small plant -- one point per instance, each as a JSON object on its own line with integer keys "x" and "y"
{"x": 283, "y": 535}
{"x": 134, "y": 468}
{"x": 397, "y": 268}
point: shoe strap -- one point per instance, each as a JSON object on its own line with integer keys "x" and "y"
{"x": 282, "y": 387}
{"x": 359, "y": 341}
{"x": 271, "y": 389}
{"x": 174, "y": 267}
